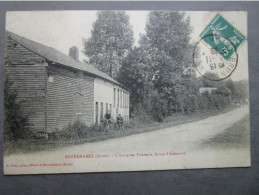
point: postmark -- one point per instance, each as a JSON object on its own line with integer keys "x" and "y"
{"x": 210, "y": 63}
{"x": 215, "y": 54}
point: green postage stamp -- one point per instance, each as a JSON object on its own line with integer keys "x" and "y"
{"x": 222, "y": 36}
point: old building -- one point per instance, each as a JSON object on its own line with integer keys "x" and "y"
{"x": 56, "y": 89}
{"x": 208, "y": 90}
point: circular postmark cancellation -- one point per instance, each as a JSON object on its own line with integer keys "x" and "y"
{"x": 215, "y": 63}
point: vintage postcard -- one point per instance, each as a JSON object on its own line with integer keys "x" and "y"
{"x": 101, "y": 91}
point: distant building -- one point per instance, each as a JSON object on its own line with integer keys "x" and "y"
{"x": 56, "y": 89}
{"x": 207, "y": 89}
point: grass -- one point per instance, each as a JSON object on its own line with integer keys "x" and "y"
{"x": 237, "y": 136}
{"x": 94, "y": 135}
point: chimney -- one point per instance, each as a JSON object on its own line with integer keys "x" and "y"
{"x": 74, "y": 53}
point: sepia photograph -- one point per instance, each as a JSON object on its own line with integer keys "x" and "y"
{"x": 108, "y": 91}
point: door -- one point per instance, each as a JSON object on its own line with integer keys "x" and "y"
{"x": 78, "y": 98}
{"x": 101, "y": 114}
{"x": 96, "y": 112}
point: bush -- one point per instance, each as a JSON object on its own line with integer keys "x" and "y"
{"x": 160, "y": 109}
{"x": 140, "y": 114}
{"x": 16, "y": 123}
{"x": 75, "y": 129}
{"x": 220, "y": 101}
{"x": 215, "y": 101}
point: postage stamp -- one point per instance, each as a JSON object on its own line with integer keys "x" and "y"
{"x": 215, "y": 55}
{"x": 225, "y": 38}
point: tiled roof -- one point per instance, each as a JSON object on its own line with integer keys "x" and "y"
{"x": 56, "y": 56}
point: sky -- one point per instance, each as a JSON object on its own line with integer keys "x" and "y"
{"x": 64, "y": 29}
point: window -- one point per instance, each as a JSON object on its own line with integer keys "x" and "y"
{"x": 101, "y": 114}
{"x": 114, "y": 97}
{"x": 126, "y": 100}
{"x": 121, "y": 99}
{"x": 118, "y": 100}
{"x": 129, "y": 101}
{"x": 106, "y": 108}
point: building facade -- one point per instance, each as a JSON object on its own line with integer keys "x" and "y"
{"x": 55, "y": 89}
{"x": 116, "y": 100}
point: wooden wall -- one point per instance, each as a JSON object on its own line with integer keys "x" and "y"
{"x": 70, "y": 95}
{"x": 54, "y": 95}
{"x": 29, "y": 81}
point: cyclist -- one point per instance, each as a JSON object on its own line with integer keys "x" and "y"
{"x": 120, "y": 121}
{"x": 107, "y": 118}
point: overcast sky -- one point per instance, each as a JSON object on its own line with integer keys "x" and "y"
{"x": 63, "y": 29}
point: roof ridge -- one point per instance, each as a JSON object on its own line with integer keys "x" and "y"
{"x": 58, "y": 57}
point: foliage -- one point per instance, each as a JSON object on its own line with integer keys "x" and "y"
{"x": 16, "y": 123}
{"x": 112, "y": 38}
{"x": 160, "y": 74}
{"x": 220, "y": 101}
{"x": 76, "y": 128}
{"x": 136, "y": 75}
{"x": 167, "y": 44}
{"x": 239, "y": 90}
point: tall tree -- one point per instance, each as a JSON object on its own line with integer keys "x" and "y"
{"x": 167, "y": 41}
{"x": 136, "y": 75}
{"x": 111, "y": 39}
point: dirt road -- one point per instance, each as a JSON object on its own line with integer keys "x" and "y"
{"x": 175, "y": 147}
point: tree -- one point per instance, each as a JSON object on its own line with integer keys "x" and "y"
{"x": 111, "y": 39}
{"x": 167, "y": 42}
{"x": 16, "y": 123}
{"x": 230, "y": 85}
{"x": 136, "y": 75}
{"x": 241, "y": 92}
